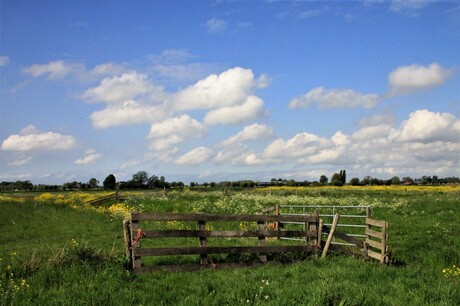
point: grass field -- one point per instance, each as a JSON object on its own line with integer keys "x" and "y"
{"x": 55, "y": 250}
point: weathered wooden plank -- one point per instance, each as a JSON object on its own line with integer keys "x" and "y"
{"x": 378, "y": 223}
{"x": 225, "y": 234}
{"x": 375, "y": 244}
{"x": 210, "y": 217}
{"x": 375, "y": 255}
{"x": 221, "y": 250}
{"x": 373, "y": 233}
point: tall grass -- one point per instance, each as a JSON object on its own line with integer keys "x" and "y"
{"x": 55, "y": 252}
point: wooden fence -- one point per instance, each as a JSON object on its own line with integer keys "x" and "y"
{"x": 372, "y": 240}
{"x": 134, "y": 235}
{"x": 99, "y": 201}
{"x": 375, "y": 245}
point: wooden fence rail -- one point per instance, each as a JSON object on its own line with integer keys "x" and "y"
{"x": 134, "y": 235}
{"x": 99, "y": 201}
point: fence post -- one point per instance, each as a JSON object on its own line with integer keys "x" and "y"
{"x": 261, "y": 228}
{"x": 203, "y": 257}
{"x": 320, "y": 233}
{"x": 384, "y": 243}
{"x": 331, "y": 234}
{"x": 136, "y": 259}
{"x": 313, "y": 226}
{"x": 128, "y": 239}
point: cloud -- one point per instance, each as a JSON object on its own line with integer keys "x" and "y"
{"x": 196, "y": 156}
{"x": 413, "y": 78}
{"x": 4, "y": 61}
{"x": 215, "y": 25}
{"x": 334, "y": 98}
{"x": 54, "y": 70}
{"x": 21, "y": 162}
{"x": 91, "y": 156}
{"x": 175, "y": 130}
{"x": 107, "y": 69}
{"x": 301, "y": 144}
{"x": 231, "y": 87}
{"x": 128, "y": 112}
{"x": 251, "y": 132}
{"x": 252, "y": 108}
{"x": 32, "y": 140}
{"x": 425, "y": 126}
{"x": 239, "y": 155}
{"x": 119, "y": 89}
{"x": 408, "y": 7}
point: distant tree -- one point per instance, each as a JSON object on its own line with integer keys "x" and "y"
{"x": 109, "y": 182}
{"x": 140, "y": 178}
{"x": 93, "y": 183}
{"x": 336, "y": 179}
{"x": 395, "y": 180}
{"x": 366, "y": 180}
{"x": 354, "y": 181}
{"x": 323, "y": 179}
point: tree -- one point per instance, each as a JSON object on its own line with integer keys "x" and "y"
{"x": 354, "y": 181}
{"x": 109, "y": 182}
{"x": 336, "y": 179}
{"x": 93, "y": 183}
{"x": 140, "y": 178}
{"x": 323, "y": 179}
{"x": 395, "y": 180}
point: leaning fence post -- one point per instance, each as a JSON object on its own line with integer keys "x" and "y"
{"x": 261, "y": 228}
{"x": 331, "y": 234}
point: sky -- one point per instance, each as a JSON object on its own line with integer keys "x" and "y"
{"x": 228, "y": 90}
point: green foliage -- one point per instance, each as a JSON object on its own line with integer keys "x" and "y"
{"x": 109, "y": 182}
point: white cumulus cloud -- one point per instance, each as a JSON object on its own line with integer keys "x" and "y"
{"x": 119, "y": 89}
{"x": 251, "y": 109}
{"x": 426, "y": 126}
{"x": 196, "y": 156}
{"x": 334, "y": 98}
{"x": 175, "y": 130}
{"x": 231, "y": 87}
{"x": 128, "y": 112}
{"x": 31, "y": 139}
{"x": 251, "y": 132}
{"x": 412, "y": 78}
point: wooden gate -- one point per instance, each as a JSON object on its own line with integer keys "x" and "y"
{"x": 134, "y": 235}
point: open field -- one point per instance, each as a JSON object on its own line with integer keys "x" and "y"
{"x": 55, "y": 249}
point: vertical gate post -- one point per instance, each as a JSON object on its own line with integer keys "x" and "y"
{"x": 313, "y": 227}
{"x": 203, "y": 257}
{"x": 261, "y": 228}
{"x": 136, "y": 259}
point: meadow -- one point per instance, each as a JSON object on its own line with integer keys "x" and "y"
{"x": 57, "y": 250}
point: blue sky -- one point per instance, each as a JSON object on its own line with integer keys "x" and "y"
{"x": 228, "y": 90}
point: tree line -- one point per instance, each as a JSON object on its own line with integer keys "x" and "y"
{"x": 141, "y": 180}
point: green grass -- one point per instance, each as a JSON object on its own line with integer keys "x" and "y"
{"x": 57, "y": 255}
